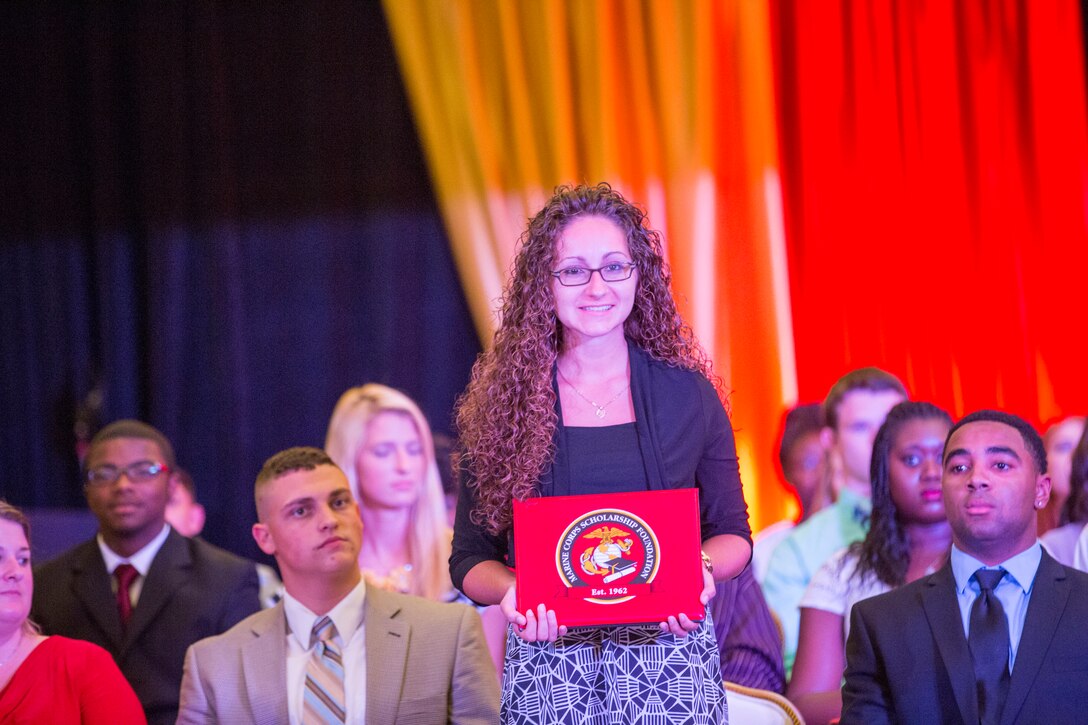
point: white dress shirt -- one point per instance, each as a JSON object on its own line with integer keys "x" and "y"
{"x": 141, "y": 560}
{"x": 347, "y": 615}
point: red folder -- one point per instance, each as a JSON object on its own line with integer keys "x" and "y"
{"x": 604, "y": 559}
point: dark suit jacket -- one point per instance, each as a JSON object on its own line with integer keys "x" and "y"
{"x": 907, "y": 659}
{"x": 192, "y": 590}
{"x": 426, "y": 664}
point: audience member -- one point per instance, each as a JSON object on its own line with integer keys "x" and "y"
{"x": 445, "y": 448}
{"x": 186, "y": 516}
{"x": 1060, "y": 440}
{"x": 853, "y": 412}
{"x": 1061, "y": 543}
{"x": 1080, "y": 552}
{"x": 748, "y": 638}
{"x": 139, "y": 589}
{"x": 381, "y": 440}
{"x": 50, "y": 679}
{"x": 407, "y": 659}
{"x": 184, "y": 513}
{"x": 805, "y": 467}
{"x": 908, "y": 537}
{"x": 997, "y": 635}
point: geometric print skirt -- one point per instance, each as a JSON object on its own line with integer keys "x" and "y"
{"x": 629, "y": 675}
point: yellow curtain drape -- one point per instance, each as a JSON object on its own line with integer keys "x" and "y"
{"x": 672, "y": 102}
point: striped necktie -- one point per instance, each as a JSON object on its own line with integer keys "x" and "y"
{"x": 323, "y": 699}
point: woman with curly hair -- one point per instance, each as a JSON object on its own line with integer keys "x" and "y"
{"x": 908, "y": 537}
{"x": 595, "y": 384}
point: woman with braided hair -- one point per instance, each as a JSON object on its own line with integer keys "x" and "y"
{"x": 595, "y": 384}
{"x": 909, "y": 536}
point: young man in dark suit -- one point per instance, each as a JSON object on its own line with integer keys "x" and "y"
{"x": 139, "y": 589}
{"x": 998, "y": 634}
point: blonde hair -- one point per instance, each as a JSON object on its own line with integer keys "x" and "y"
{"x": 428, "y": 533}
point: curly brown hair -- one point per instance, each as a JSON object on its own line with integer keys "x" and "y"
{"x": 506, "y": 417}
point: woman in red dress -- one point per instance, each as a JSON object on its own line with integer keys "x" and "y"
{"x": 50, "y": 679}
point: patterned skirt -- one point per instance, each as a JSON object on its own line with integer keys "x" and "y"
{"x": 632, "y": 675}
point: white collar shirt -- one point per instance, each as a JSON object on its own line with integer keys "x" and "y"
{"x": 142, "y": 560}
{"x": 347, "y": 615}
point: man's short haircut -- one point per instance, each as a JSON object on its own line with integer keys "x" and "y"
{"x": 128, "y": 428}
{"x": 799, "y": 422}
{"x": 873, "y": 380}
{"x": 299, "y": 458}
{"x": 1032, "y": 440}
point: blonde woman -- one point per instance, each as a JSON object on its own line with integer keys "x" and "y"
{"x": 382, "y": 441}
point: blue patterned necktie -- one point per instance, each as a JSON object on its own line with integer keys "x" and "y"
{"x": 323, "y": 698}
{"x": 988, "y": 639}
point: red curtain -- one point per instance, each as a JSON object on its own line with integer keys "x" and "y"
{"x": 935, "y": 169}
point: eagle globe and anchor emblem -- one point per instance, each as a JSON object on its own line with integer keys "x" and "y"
{"x": 611, "y": 552}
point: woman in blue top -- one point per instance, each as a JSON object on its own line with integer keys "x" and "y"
{"x": 595, "y": 384}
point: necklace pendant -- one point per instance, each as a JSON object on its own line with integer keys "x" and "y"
{"x": 600, "y": 412}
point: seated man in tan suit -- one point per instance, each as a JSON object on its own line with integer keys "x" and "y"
{"x": 335, "y": 649}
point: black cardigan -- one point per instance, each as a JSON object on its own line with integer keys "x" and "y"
{"x": 685, "y": 439}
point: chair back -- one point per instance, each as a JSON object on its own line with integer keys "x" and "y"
{"x": 751, "y": 706}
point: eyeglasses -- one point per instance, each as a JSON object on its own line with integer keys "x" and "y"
{"x": 578, "y": 276}
{"x": 138, "y": 472}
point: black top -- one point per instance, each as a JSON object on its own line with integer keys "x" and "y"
{"x": 683, "y": 440}
{"x": 607, "y": 459}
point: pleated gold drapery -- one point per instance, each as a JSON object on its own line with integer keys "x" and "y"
{"x": 671, "y": 102}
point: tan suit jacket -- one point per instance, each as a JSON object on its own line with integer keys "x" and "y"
{"x": 426, "y": 662}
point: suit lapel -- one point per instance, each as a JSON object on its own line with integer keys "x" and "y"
{"x": 169, "y": 571}
{"x": 386, "y": 655}
{"x": 1048, "y": 598}
{"x": 943, "y": 612}
{"x": 264, "y": 664}
{"x": 91, "y": 587}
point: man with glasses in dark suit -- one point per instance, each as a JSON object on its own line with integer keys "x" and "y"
{"x": 139, "y": 589}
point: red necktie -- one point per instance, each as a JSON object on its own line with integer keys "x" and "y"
{"x": 126, "y": 574}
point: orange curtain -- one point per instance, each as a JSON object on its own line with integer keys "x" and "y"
{"x": 670, "y": 101}
{"x": 935, "y": 157}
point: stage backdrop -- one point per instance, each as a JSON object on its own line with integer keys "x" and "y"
{"x": 216, "y": 218}
{"x": 934, "y": 165}
{"x": 935, "y": 162}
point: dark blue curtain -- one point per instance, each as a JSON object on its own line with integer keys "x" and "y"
{"x": 215, "y": 218}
